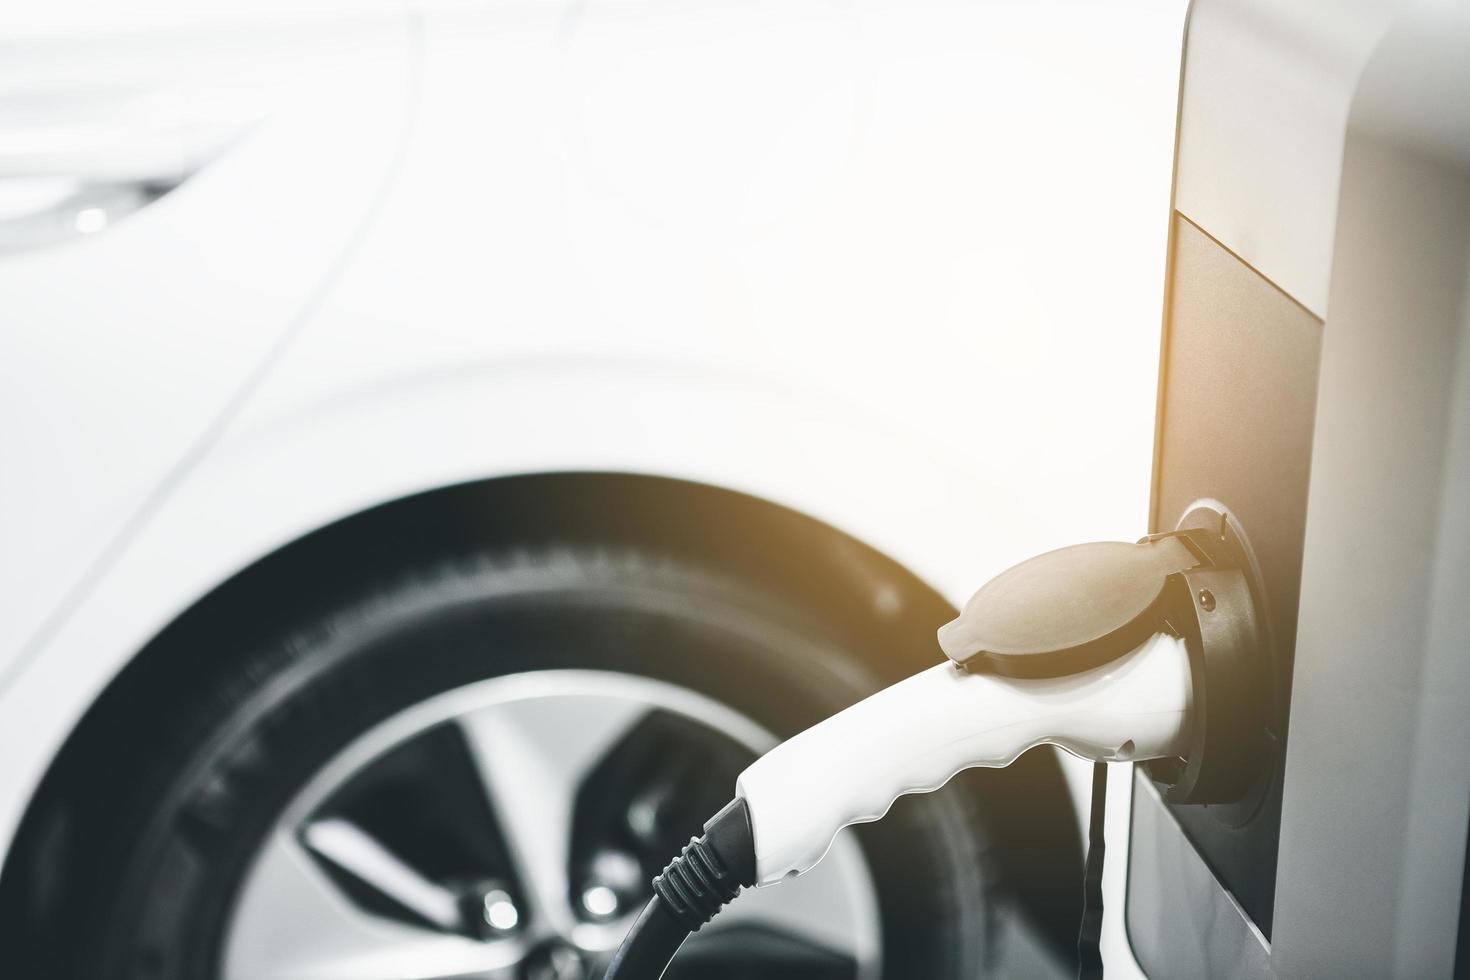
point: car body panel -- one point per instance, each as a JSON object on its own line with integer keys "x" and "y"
{"x": 876, "y": 297}
{"x": 124, "y": 349}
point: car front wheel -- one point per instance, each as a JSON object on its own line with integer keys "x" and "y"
{"x": 473, "y": 768}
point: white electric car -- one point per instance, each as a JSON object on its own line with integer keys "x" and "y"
{"x": 433, "y": 431}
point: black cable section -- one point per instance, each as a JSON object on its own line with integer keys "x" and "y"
{"x": 1089, "y": 935}
{"x": 649, "y": 946}
{"x": 706, "y": 875}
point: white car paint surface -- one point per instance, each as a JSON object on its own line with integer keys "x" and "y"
{"x": 897, "y": 265}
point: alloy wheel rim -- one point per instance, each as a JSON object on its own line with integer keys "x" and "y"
{"x": 338, "y": 890}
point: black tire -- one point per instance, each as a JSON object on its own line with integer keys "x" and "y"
{"x": 201, "y": 753}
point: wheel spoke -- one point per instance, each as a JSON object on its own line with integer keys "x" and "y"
{"x": 293, "y": 923}
{"x": 360, "y": 854}
{"x": 533, "y": 755}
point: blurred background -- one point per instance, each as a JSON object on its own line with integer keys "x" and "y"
{"x": 445, "y": 442}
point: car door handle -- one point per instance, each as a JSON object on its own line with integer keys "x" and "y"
{"x": 76, "y": 164}
{"x": 100, "y": 115}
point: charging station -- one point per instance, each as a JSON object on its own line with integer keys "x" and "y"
{"x": 1315, "y": 387}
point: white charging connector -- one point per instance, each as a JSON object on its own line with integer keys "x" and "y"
{"x": 1108, "y": 650}
{"x": 912, "y": 737}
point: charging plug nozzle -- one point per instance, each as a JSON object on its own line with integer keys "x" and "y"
{"x": 912, "y": 737}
